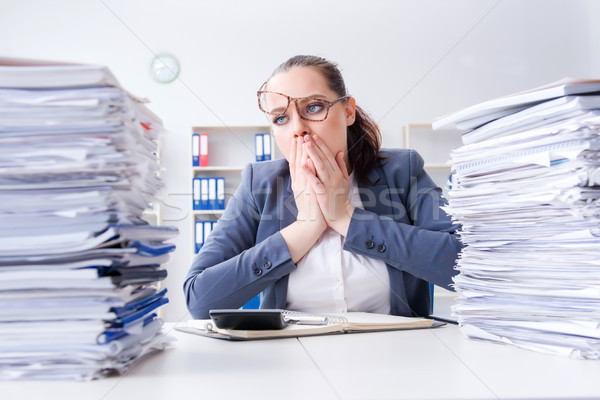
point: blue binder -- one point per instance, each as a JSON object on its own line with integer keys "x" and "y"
{"x": 204, "y": 194}
{"x": 208, "y": 225}
{"x": 259, "y": 147}
{"x": 199, "y": 235}
{"x": 196, "y": 192}
{"x": 195, "y": 150}
{"x": 221, "y": 193}
{"x": 212, "y": 193}
{"x": 267, "y": 146}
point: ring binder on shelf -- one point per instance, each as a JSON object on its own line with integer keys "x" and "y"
{"x": 267, "y": 146}
{"x": 204, "y": 196}
{"x": 195, "y": 150}
{"x": 196, "y": 193}
{"x": 221, "y": 193}
{"x": 203, "y": 150}
{"x": 208, "y": 225}
{"x": 199, "y": 235}
{"x": 259, "y": 147}
{"x": 212, "y": 193}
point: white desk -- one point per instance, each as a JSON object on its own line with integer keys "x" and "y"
{"x": 423, "y": 364}
{"x": 442, "y": 364}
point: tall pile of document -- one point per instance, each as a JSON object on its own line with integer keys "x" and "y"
{"x": 79, "y": 267}
{"x": 526, "y": 190}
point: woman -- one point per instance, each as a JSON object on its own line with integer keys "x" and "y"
{"x": 338, "y": 225}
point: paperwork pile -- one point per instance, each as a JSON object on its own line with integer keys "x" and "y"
{"x": 526, "y": 190}
{"x": 79, "y": 267}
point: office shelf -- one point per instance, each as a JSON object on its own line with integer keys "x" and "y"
{"x": 230, "y": 149}
{"x": 218, "y": 168}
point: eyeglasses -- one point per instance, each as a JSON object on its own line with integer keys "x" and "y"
{"x": 309, "y": 108}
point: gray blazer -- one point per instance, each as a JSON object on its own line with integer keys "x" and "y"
{"x": 402, "y": 225}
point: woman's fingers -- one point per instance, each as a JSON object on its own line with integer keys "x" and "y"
{"x": 304, "y": 154}
{"x": 322, "y": 164}
{"x": 311, "y": 166}
{"x": 292, "y": 161}
{"x": 315, "y": 185}
{"x": 326, "y": 153}
{"x": 298, "y": 152}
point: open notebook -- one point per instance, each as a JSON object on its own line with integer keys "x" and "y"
{"x": 303, "y": 324}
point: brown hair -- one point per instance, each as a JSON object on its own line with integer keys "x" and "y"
{"x": 364, "y": 137}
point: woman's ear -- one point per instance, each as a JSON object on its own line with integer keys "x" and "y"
{"x": 350, "y": 111}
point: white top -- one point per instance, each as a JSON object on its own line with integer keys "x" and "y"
{"x": 332, "y": 280}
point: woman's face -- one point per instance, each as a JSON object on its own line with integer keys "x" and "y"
{"x": 301, "y": 82}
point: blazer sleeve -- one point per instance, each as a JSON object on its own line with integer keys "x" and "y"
{"x": 426, "y": 247}
{"x": 231, "y": 268}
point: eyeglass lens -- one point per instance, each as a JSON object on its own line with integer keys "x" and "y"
{"x": 309, "y": 108}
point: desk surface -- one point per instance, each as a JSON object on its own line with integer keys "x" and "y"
{"x": 423, "y": 364}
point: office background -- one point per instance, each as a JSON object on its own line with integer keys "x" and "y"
{"x": 404, "y": 61}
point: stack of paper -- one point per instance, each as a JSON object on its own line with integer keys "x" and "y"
{"x": 79, "y": 267}
{"x": 526, "y": 190}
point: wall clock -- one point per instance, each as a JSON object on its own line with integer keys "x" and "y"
{"x": 164, "y": 68}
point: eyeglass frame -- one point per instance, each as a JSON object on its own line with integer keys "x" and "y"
{"x": 295, "y": 100}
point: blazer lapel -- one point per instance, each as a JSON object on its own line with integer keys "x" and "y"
{"x": 288, "y": 213}
{"x": 374, "y": 195}
{"x": 288, "y": 208}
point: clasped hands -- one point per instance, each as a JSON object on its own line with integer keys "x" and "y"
{"x": 320, "y": 184}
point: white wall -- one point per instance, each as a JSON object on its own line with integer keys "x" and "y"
{"x": 404, "y": 61}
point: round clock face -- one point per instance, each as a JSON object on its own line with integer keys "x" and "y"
{"x": 164, "y": 68}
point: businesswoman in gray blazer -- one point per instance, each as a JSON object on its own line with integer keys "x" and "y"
{"x": 337, "y": 225}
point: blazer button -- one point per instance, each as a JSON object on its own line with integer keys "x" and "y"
{"x": 268, "y": 264}
{"x": 257, "y": 271}
{"x": 369, "y": 245}
{"x": 381, "y": 248}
